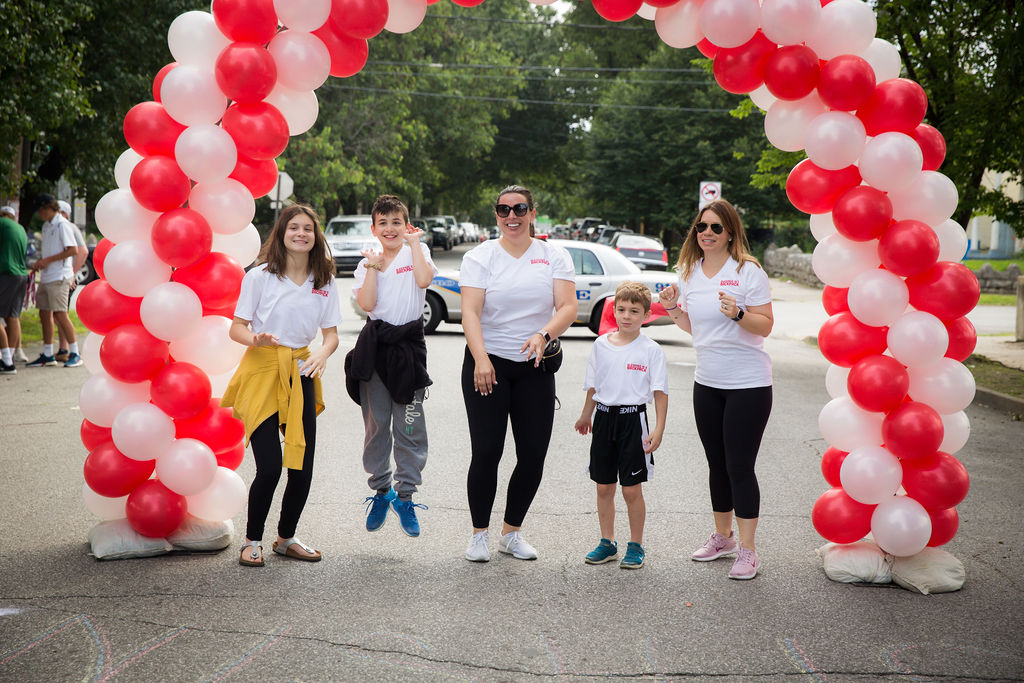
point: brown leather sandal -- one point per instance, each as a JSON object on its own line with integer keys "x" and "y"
{"x": 285, "y": 548}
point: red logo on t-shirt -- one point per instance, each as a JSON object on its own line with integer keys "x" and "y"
{"x": 636, "y": 366}
{"x": 321, "y": 292}
{"x": 540, "y": 260}
{"x": 403, "y": 269}
{"x": 729, "y": 283}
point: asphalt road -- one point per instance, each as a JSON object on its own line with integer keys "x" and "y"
{"x": 387, "y": 607}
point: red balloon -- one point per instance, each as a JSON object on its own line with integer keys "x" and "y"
{"x": 158, "y": 80}
{"x": 246, "y": 72}
{"x": 348, "y": 54}
{"x": 612, "y": 10}
{"x": 831, "y": 462}
{"x": 99, "y": 254}
{"x": 661, "y": 3}
{"x": 149, "y": 129}
{"x": 359, "y": 18}
{"x": 937, "y": 481}
{"x": 833, "y": 299}
{"x": 878, "y": 383}
{"x": 862, "y": 213}
{"x": 102, "y": 308}
{"x": 908, "y": 247}
{"x": 914, "y": 430}
{"x": 741, "y": 69}
{"x": 898, "y": 104}
{"x": 232, "y": 457}
{"x": 110, "y": 473}
{"x": 216, "y": 279}
{"x": 181, "y": 237}
{"x": 131, "y": 354}
{"x": 93, "y": 436}
{"x": 258, "y": 175}
{"x": 792, "y": 72}
{"x": 215, "y": 426}
{"x": 813, "y": 189}
{"x": 944, "y": 526}
{"x": 224, "y": 311}
{"x": 181, "y": 390}
{"x": 839, "y": 518}
{"x": 847, "y": 82}
{"x": 962, "y": 338}
{"x": 707, "y": 48}
{"x": 844, "y": 340}
{"x": 158, "y": 184}
{"x": 947, "y": 290}
{"x": 933, "y": 146}
{"x": 253, "y": 21}
{"x": 258, "y": 129}
{"x": 154, "y": 510}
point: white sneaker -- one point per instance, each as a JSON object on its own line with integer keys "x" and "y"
{"x": 515, "y": 545}
{"x": 478, "y": 550}
{"x": 19, "y": 355}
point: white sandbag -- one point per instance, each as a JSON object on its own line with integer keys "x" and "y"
{"x": 117, "y": 540}
{"x": 933, "y": 570}
{"x": 862, "y": 562}
{"x": 202, "y": 534}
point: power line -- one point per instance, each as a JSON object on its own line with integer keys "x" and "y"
{"x": 525, "y": 67}
{"x": 548, "y": 24}
{"x": 557, "y": 79}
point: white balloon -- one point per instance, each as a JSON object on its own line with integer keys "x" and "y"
{"x": 171, "y": 311}
{"x": 870, "y": 475}
{"x": 302, "y": 59}
{"x": 187, "y": 466}
{"x": 302, "y": 15}
{"x": 120, "y": 217}
{"x": 877, "y": 297}
{"x": 243, "y": 246}
{"x": 762, "y": 97}
{"x": 299, "y": 108}
{"x": 790, "y": 22}
{"x": 837, "y": 260}
{"x": 224, "y": 498}
{"x": 102, "y": 397}
{"x": 105, "y": 508}
{"x": 209, "y": 347}
{"x": 123, "y": 167}
{"x": 848, "y": 427}
{"x": 405, "y": 15}
{"x": 194, "y": 38}
{"x": 91, "y": 352}
{"x": 931, "y": 199}
{"x": 891, "y": 161}
{"x": 952, "y": 240}
{"x": 787, "y": 121}
{"x": 835, "y": 381}
{"x": 946, "y": 385}
{"x": 956, "y": 429}
{"x": 133, "y": 268}
{"x": 834, "y": 140}
{"x": 901, "y": 526}
{"x": 645, "y": 12}
{"x": 884, "y": 58}
{"x": 917, "y": 338}
{"x": 846, "y": 27}
{"x": 141, "y": 431}
{"x": 822, "y": 225}
{"x": 218, "y": 383}
{"x": 730, "y": 23}
{"x": 678, "y": 25}
{"x": 191, "y": 96}
{"x": 206, "y": 153}
{"x": 227, "y": 205}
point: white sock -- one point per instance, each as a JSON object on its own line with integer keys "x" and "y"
{"x": 73, "y": 347}
{"x": 8, "y": 355}
{"x": 47, "y": 349}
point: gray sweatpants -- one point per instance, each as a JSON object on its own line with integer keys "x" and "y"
{"x": 385, "y": 421}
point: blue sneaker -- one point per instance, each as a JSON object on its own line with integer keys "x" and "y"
{"x": 377, "y": 509}
{"x": 634, "y": 557}
{"x": 73, "y": 361}
{"x": 604, "y": 552}
{"x": 42, "y": 361}
{"x": 406, "y": 512}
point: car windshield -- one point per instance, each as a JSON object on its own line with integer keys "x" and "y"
{"x": 435, "y": 223}
{"x": 349, "y": 227}
{"x": 638, "y": 242}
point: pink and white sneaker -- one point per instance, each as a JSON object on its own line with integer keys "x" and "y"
{"x": 746, "y": 564}
{"x": 715, "y": 547}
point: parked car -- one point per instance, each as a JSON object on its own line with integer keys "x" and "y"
{"x": 599, "y": 270}
{"x": 87, "y": 273}
{"x": 647, "y": 252}
{"x": 605, "y": 233}
{"x": 581, "y": 228}
{"x": 454, "y": 229}
{"x": 440, "y": 232}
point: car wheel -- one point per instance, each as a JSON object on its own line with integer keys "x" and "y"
{"x": 433, "y": 312}
{"x": 85, "y": 274}
{"x": 595, "y": 317}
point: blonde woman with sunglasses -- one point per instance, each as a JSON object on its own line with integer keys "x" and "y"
{"x": 723, "y": 300}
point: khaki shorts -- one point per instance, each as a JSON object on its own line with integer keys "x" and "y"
{"x": 53, "y": 296}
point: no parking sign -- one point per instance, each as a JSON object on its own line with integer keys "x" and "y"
{"x": 710, "y": 190}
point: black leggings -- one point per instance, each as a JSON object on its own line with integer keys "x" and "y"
{"x": 266, "y": 448}
{"x": 526, "y": 395}
{"x": 730, "y": 423}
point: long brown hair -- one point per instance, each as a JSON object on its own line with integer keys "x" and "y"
{"x": 519, "y": 189}
{"x": 691, "y": 253}
{"x": 275, "y": 255}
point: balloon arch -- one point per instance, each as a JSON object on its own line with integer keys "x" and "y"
{"x": 178, "y": 230}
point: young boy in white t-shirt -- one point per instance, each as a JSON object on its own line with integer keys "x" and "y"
{"x": 386, "y": 371}
{"x": 625, "y": 372}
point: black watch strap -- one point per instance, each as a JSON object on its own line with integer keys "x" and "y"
{"x": 739, "y": 315}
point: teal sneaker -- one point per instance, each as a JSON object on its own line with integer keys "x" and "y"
{"x": 405, "y": 510}
{"x": 604, "y": 552}
{"x": 634, "y": 557}
{"x": 377, "y": 509}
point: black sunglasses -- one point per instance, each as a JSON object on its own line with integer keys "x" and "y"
{"x": 503, "y": 209}
{"x": 715, "y": 227}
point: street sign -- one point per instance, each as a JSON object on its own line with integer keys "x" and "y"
{"x": 283, "y": 189}
{"x": 710, "y": 190}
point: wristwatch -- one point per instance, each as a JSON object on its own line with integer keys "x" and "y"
{"x": 739, "y": 315}
{"x": 544, "y": 333}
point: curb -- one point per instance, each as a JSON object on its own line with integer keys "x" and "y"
{"x": 999, "y": 401}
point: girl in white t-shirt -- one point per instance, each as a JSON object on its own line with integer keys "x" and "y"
{"x": 724, "y": 301}
{"x": 284, "y": 301}
{"x": 518, "y": 293}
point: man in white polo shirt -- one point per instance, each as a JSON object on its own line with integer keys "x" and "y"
{"x": 80, "y": 256}
{"x": 54, "y": 284}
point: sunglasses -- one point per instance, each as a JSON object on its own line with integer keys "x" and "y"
{"x": 715, "y": 227}
{"x": 503, "y": 209}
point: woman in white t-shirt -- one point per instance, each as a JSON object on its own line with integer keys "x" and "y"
{"x": 284, "y": 301}
{"x": 518, "y": 293}
{"x": 724, "y": 301}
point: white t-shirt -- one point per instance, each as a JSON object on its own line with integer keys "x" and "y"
{"x": 626, "y": 375}
{"x": 292, "y": 313}
{"x": 728, "y": 357}
{"x": 57, "y": 236}
{"x": 399, "y": 299}
{"x": 519, "y": 297}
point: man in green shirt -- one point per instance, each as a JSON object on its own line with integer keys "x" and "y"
{"x": 13, "y": 282}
